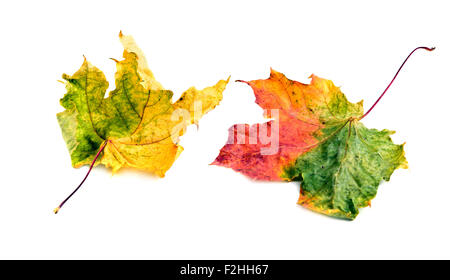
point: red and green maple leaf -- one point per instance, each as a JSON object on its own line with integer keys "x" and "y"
{"x": 321, "y": 142}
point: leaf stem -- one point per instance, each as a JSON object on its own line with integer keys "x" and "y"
{"x": 398, "y": 71}
{"x": 79, "y": 186}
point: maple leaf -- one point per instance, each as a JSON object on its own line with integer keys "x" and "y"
{"x": 320, "y": 142}
{"x": 137, "y": 125}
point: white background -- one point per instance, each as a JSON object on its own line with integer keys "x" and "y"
{"x": 207, "y": 212}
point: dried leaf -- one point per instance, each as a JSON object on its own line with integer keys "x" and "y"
{"x": 137, "y": 125}
{"x": 321, "y": 143}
